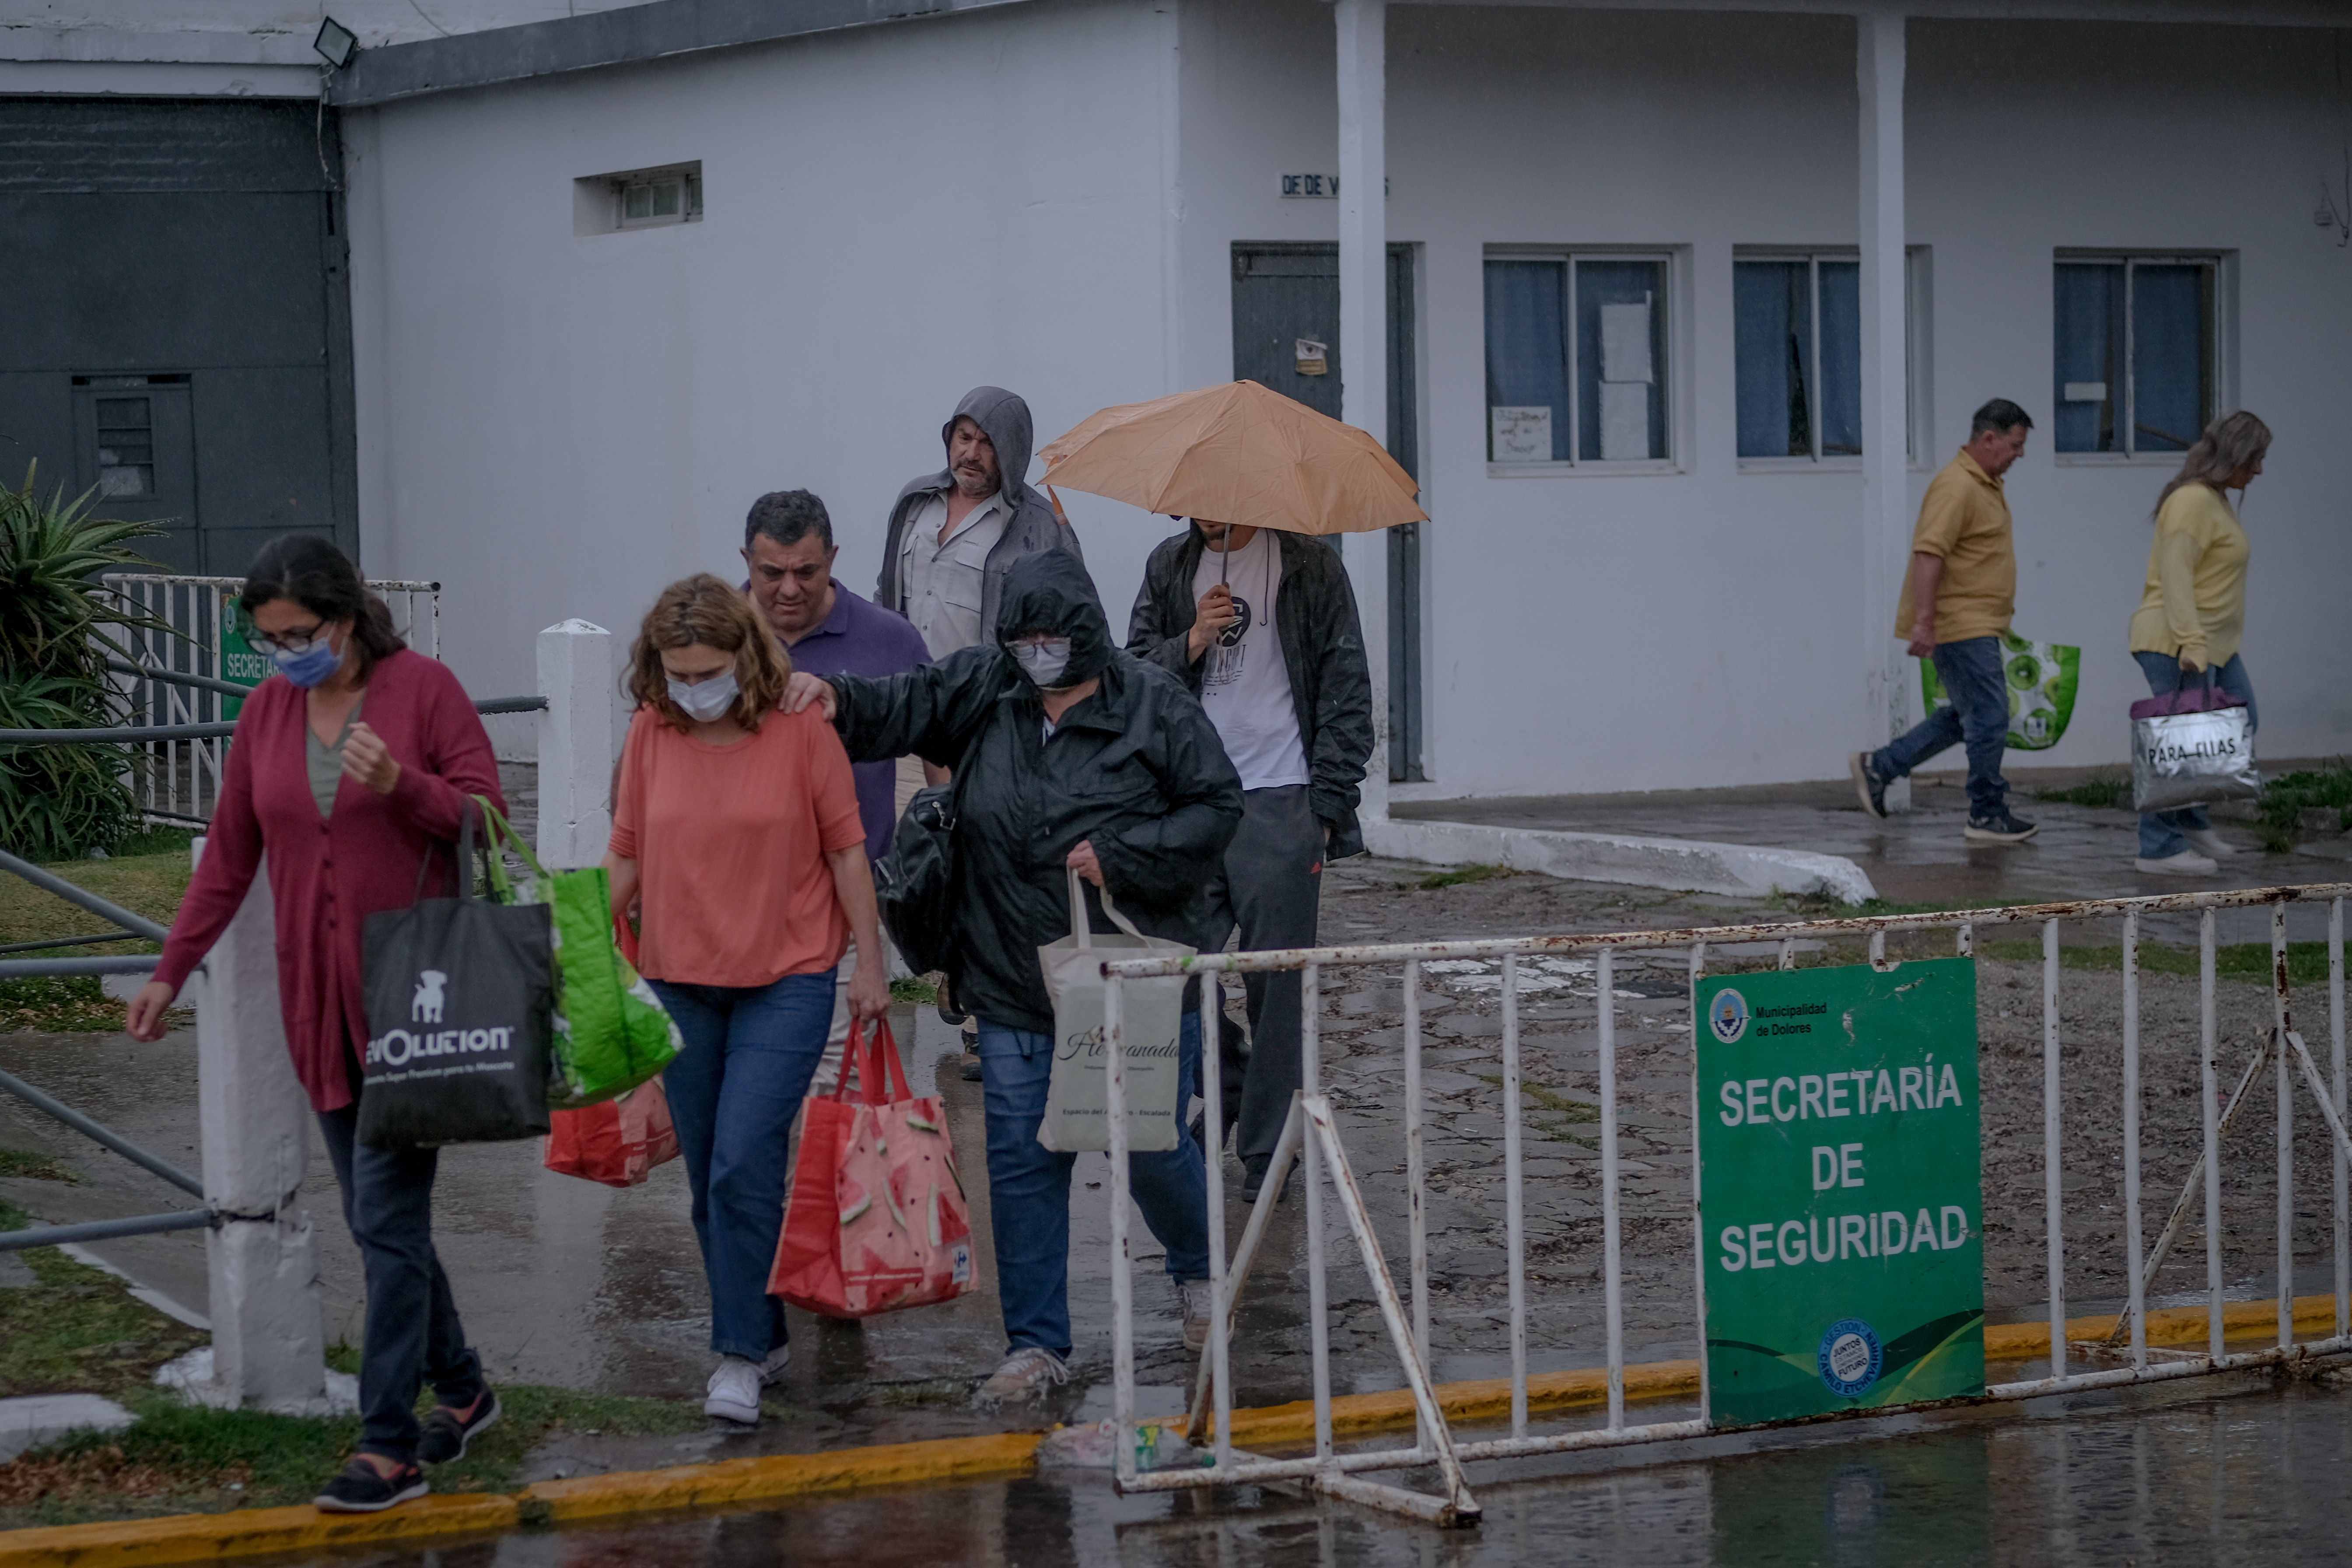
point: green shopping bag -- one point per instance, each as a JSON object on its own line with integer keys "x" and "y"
{"x": 2040, "y": 676}
{"x": 610, "y": 1032}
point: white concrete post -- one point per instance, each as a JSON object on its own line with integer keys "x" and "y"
{"x": 1364, "y": 329}
{"x": 575, "y": 744}
{"x": 268, "y": 1349}
{"x": 1886, "y": 384}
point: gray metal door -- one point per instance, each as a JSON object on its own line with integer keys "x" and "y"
{"x": 1286, "y": 337}
{"x": 175, "y": 326}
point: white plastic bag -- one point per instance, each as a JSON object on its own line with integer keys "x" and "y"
{"x": 1076, "y": 1103}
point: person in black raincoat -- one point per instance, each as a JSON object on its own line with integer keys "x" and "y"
{"x": 1069, "y": 752}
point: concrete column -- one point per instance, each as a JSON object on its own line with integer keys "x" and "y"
{"x": 575, "y": 744}
{"x": 1886, "y": 384}
{"x": 255, "y": 1122}
{"x": 1364, "y": 328}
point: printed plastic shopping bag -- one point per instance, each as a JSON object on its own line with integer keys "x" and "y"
{"x": 610, "y": 1032}
{"x": 1077, "y": 1113}
{"x": 458, "y": 992}
{"x": 876, "y": 1218}
{"x": 2042, "y": 677}
{"x": 617, "y": 1141}
{"x": 2192, "y": 746}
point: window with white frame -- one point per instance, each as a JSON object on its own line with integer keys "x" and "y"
{"x": 2136, "y": 353}
{"x": 637, "y": 198}
{"x": 1576, "y": 359}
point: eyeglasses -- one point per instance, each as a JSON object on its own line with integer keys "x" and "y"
{"x": 287, "y": 643}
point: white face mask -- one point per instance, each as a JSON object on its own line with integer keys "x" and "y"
{"x": 1045, "y": 661}
{"x": 706, "y": 700}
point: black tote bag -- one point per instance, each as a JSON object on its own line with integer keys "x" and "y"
{"x": 915, "y": 883}
{"x": 460, "y": 994}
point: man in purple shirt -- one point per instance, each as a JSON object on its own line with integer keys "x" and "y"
{"x": 828, "y": 630}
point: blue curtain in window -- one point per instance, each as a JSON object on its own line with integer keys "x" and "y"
{"x": 1841, "y": 358}
{"x": 1772, "y": 350}
{"x": 1599, "y": 283}
{"x": 2171, "y": 373}
{"x": 1526, "y": 342}
{"x": 2089, "y": 355}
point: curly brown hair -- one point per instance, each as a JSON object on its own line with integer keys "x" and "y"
{"x": 703, "y": 609}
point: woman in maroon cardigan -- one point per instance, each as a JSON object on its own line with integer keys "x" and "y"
{"x": 350, "y": 768}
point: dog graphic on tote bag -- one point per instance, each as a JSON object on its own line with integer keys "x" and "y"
{"x": 426, "y": 1007}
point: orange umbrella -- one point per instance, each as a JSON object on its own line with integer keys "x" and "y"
{"x": 1239, "y": 454}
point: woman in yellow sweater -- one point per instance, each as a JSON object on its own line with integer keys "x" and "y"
{"x": 2194, "y": 610}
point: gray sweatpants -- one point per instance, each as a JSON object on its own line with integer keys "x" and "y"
{"x": 1268, "y": 886}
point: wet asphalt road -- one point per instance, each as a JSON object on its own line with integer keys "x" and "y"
{"x": 2246, "y": 1472}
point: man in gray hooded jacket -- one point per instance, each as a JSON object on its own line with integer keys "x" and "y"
{"x": 953, "y": 534}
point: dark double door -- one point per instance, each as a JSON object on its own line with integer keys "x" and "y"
{"x": 1284, "y": 293}
{"x": 174, "y": 325}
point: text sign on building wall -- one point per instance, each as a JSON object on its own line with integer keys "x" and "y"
{"x": 1840, "y": 1187}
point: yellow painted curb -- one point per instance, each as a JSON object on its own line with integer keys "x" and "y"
{"x": 207, "y": 1537}
{"x": 774, "y": 1476}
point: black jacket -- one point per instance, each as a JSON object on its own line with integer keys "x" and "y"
{"x": 1322, "y": 645}
{"x": 1136, "y": 767}
{"x": 1032, "y": 527}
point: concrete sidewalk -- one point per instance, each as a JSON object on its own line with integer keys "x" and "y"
{"x": 1919, "y": 856}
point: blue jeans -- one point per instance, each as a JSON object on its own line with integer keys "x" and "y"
{"x": 749, "y": 1053}
{"x": 1029, "y": 1186}
{"x": 1978, "y": 715}
{"x": 2159, "y": 831}
{"x": 413, "y": 1334}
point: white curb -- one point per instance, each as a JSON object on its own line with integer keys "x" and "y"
{"x": 1685, "y": 865}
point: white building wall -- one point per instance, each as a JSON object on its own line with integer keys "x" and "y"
{"x": 1599, "y": 633}
{"x": 556, "y": 425}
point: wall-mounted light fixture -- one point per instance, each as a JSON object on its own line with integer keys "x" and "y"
{"x": 336, "y": 44}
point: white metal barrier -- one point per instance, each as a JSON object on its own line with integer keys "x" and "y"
{"x": 1311, "y": 1132}
{"x": 177, "y": 780}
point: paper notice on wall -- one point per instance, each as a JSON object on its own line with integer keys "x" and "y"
{"x": 1520, "y": 435}
{"x": 1624, "y": 421}
{"x": 1314, "y": 356}
{"x": 2086, "y": 392}
{"x": 1625, "y": 343}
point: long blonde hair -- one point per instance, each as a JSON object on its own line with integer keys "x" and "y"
{"x": 2228, "y": 443}
{"x": 702, "y": 609}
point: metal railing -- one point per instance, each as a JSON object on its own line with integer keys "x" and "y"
{"x": 174, "y": 678}
{"x": 1311, "y": 1132}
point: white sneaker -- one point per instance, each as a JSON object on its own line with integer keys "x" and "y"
{"x": 1200, "y": 1299}
{"x": 2187, "y": 863}
{"x": 1027, "y": 1373}
{"x": 2205, "y": 841}
{"x": 734, "y": 1392}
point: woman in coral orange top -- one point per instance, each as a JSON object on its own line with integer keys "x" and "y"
{"x": 736, "y": 837}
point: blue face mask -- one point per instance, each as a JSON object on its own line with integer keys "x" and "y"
{"x": 310, "y": 667}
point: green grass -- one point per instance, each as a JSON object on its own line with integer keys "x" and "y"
{"x": 147, "y": 877}
{"x": 915, "y": 990}
{"x": 24, "y": 1163}
{"x": 78, "y": 1330}
{"x": 1562, "y": 1112}
{"x": 2288, "y": 797}
{"x": 58, "y": 1004}
{"x": 1460, "y": 876}
{"x": 2105, "y": 790}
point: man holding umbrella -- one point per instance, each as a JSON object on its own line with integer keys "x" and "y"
{"x": 1257, "y": 620}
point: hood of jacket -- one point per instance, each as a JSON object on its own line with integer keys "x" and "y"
{"x": 1004, "y": 417}
{"x": 1051, "y": 592}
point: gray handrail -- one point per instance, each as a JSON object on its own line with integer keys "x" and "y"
{"x": 101, "y": 1229}
{"x": 178, "y": 678}
{"x": 50, "y": 882}
{"x": 92, "y": 1130}
{"x": 132, "y": 734}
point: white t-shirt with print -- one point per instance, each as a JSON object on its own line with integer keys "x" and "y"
{"x": 1245, "y": 684}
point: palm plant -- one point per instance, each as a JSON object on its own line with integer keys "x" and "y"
{"x": 59, "y": 803}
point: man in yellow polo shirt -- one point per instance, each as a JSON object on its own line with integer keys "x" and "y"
{"x": 1957, "y": 601}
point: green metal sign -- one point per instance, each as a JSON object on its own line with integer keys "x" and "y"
{"x": 241, "y": 663}
{"x": 1840, "y": 1189}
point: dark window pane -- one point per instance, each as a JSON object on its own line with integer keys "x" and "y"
{"x": 665, "y": 199}
{"x": 2088, "y": 386}
{"x": 126, "y": 480}
{"x": 638, "y": 202}
{"x": 123, "y": 414}
{"x": 1621, "y": 340}
{"x": 2172, "y": 355}
{"x": 1840, "y": 358}
{"x": 1526, "y": 362}
{"x": 1772, "y": 333}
